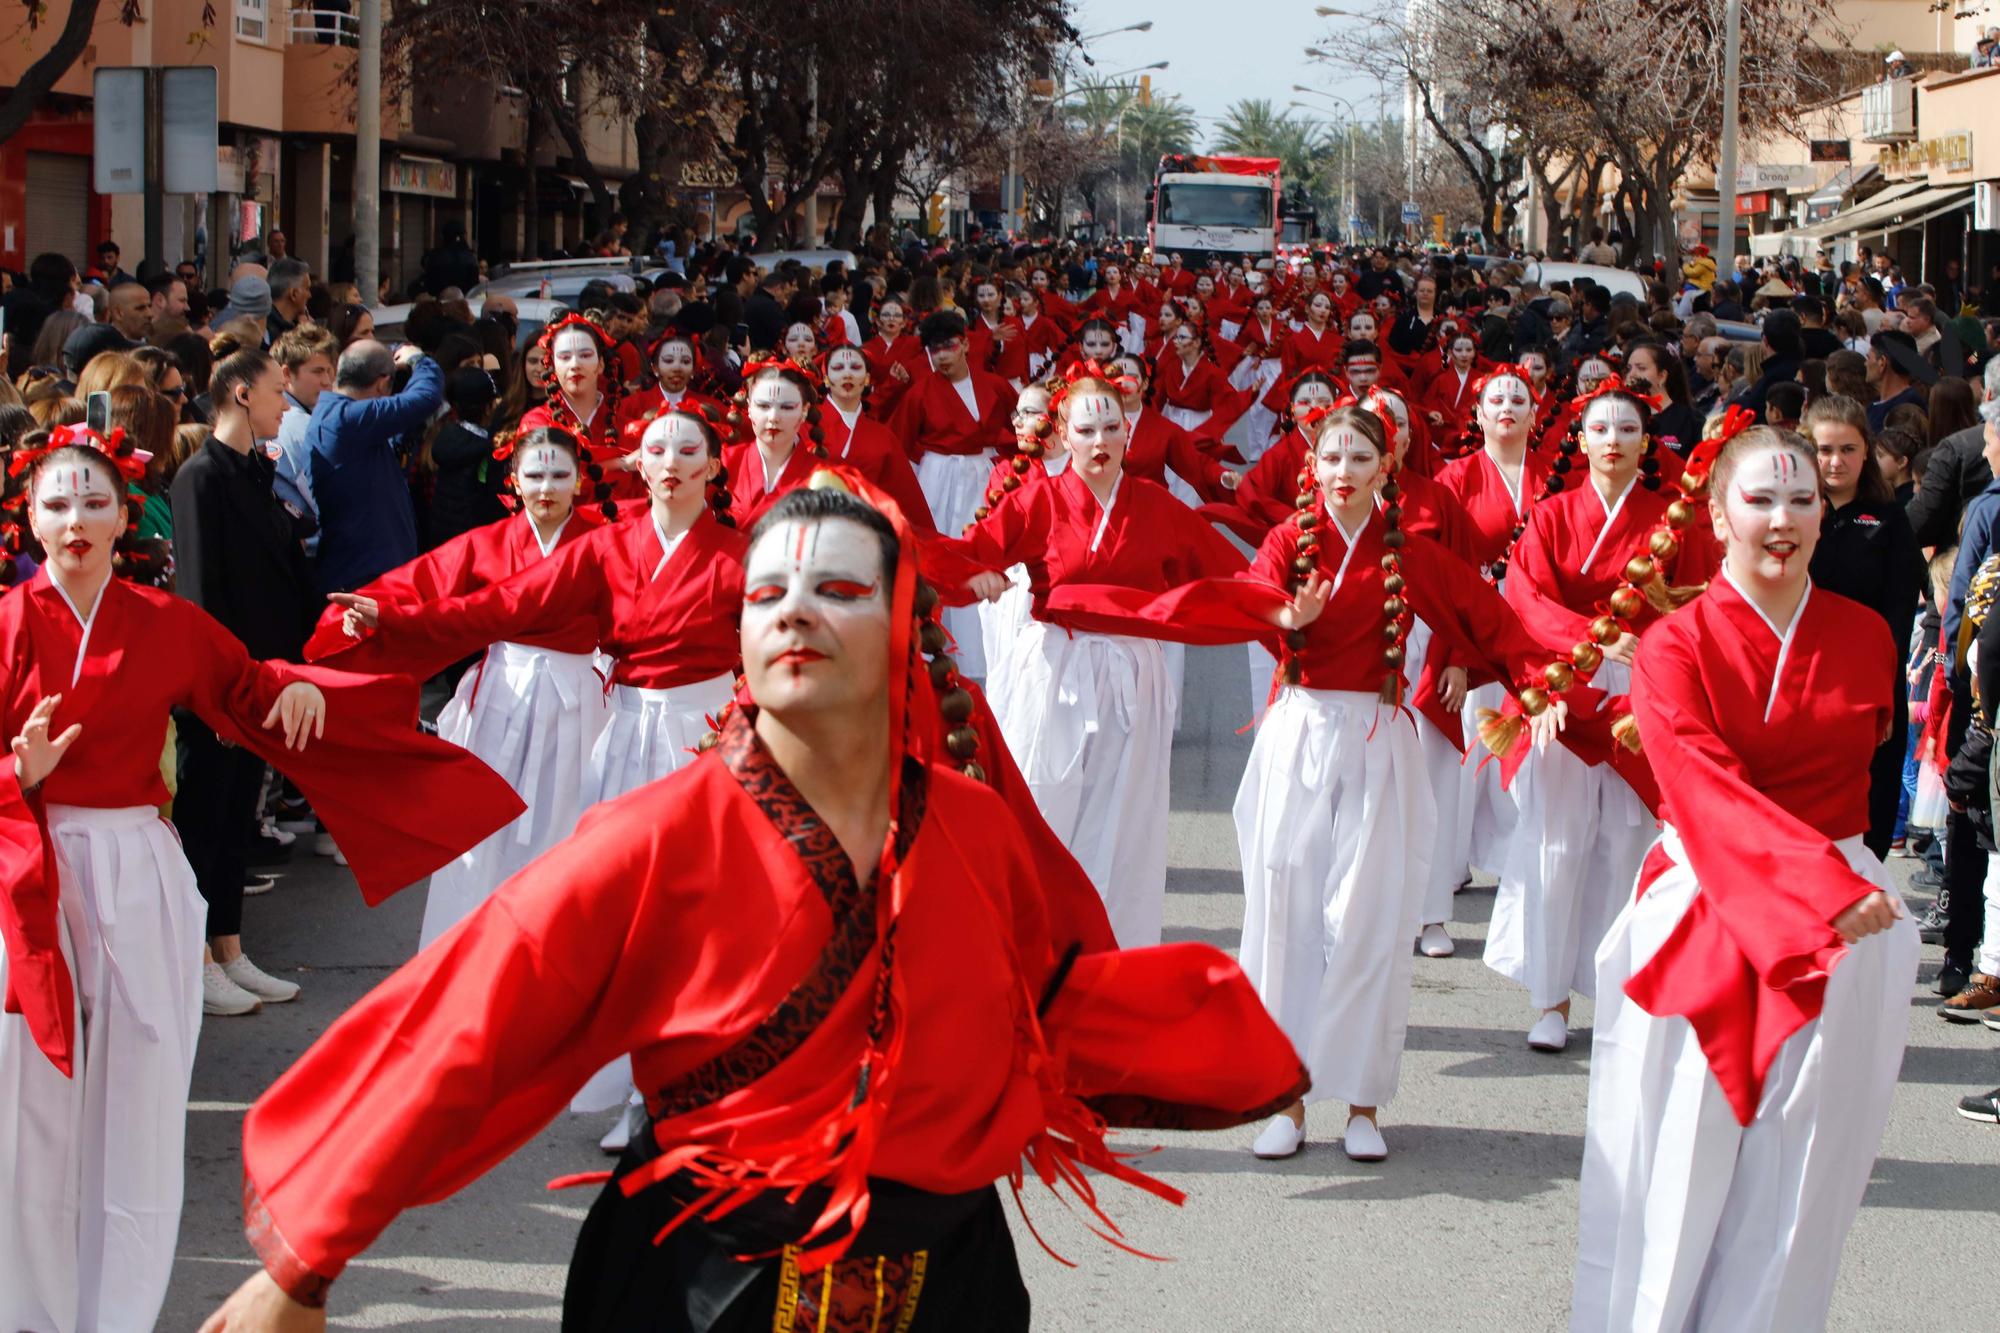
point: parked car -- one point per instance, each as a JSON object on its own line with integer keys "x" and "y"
{"x": 1613, "y": 280}
{"x": 535, "y": 314}
{"x": 812, "y": 259}
{"x": 559, "y": 279}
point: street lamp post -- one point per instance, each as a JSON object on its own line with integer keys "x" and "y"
{"x": 1011, "y": 184}
{"x": 1725, "y": 183}
{"x": 1347, "y": 201}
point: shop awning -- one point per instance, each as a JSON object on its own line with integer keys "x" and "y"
{"x": 1881, "y": 211}
{"x": 1843, "y": 183}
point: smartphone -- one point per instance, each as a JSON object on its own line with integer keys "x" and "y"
{"x": 97, "y": 412}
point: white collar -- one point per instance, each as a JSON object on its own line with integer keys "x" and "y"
{"x": 1104, "y": 515}
{"x": 84, "y": 621}
{"x": 1610, "y": 516}
{"x": 1784, "y": 636}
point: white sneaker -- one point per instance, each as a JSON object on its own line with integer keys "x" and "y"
{"x": 1550, "y": 1032}
{"x": 323, "y": 845}
{"x": 282, "y": 836}
{"x": 1362, "y": 1141}
{"x": 1436, "y": 942}
{"x": 260, "y": 884}
{"x": 259, "y": 983}
{"x": 1280, "y": 1138}
{"x": 222, "y": 997}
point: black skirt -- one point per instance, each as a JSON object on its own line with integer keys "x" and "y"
{"x": 923, "y": 1263}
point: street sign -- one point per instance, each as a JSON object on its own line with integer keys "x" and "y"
{"x": 118, "y": 117}
{"x": 188, "y": 134}
{"x": 1412, "y": 214}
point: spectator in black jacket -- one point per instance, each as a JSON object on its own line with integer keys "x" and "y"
{"x": 1816, "y": 340}
{"x": 51, "y": 283}
{"x": 1955, "y": 472}
{"x": 237, "y": 559}
{"x": 764, "y": 311}
{"x": 1782, "y": 354}
{"x": 469, "y": 480}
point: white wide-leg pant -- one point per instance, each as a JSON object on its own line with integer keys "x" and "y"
{"x": 955, "y": 486}
{"x": 533, "y": 716}
{"x": 1089, "y": 718}
{"x": 1334, "y": 822}
{"x": 1692, "y": 1223}
{"x": 650, "y": 734}
{"x": 91, "y": 1166}
{"x": 1576, "y": 852}
{"x": 1489, "y": 812}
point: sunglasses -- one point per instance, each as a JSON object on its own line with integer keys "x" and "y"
{"x": 178, "y": 393}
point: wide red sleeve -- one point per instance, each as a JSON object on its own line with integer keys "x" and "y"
{"x": 1532, "y": 578}
{"x": 399, "y": 803}
{"x": 420, "y": 641}
{"x": 464, "y": 1053}
{"x": 1480, "y": 626}
{"x": 1212, "y": 606}
{"x": 39, "y": 987}
{"x": 1171, "y": 1037}
{"x": 1195, "y": 549}
{"x": 1748, "y": 963}
{"x": 1196, "y": 468}
{"x": 433, "y": 575}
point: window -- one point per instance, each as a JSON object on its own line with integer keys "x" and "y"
{"x": 1192, "y": 205}
{"x": 252, "y": 20}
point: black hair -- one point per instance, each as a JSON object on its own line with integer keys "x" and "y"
{"x": 1782, "y": 335}
{"x": 940, "y": 327}
{"x": 471, "y": 393}
{"x": 1785, "y": 401}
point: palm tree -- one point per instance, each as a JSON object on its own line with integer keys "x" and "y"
{"x": 1252, "y": 126}
{"x": 1165, "y": 125}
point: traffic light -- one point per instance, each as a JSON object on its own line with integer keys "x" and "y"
{"x": 1145, "y": 90}
{"x": 935, "y": 219}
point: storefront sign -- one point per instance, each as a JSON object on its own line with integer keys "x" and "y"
{"x": 1753, "y": 177}
{"x": 1946, "y": 153}
{"x": 712, "y": 174}
{"x": 420, "y": 175}
{"x": 1831, "y": 150}
{"x": 1749, "y": 205}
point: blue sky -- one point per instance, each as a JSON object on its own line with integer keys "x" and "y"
{"x": 1221, "y": 53}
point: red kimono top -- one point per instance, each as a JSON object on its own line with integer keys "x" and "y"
{"x": 637, "y": 409}
{"x": 1761, "y": 744}
{"x": 399, "y": 802}
{"x": 1009, "y": 359}
{"x": 1118, "y": 309}
{"x": 665, "y": 619}
{"x": 1268, "y": 493}
{"x": 1476, "y": 482}
{"x": 605, "y": 446}
{"x": 1205, "y": 388}
{"x": 751, "y": 492}
{"x": 1154, "y": 444}
{"x": 885, "y": 391}
{"x": 468, "y": 562}
{"x": 1566, "y": 565}
{"x": 1305, "y": 350}
{"x": 678, "y": 920}
{"x": 1263, "y": 340}
{"x": 872, "y": 449}
{"x": 1148, "y": 540}
{"x": 933, "y": 419}
{"x": 1043, "y": 336}
{"x": 1453, "y": 399}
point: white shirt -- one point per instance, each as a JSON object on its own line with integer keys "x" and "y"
{"x": 967, "y": 396}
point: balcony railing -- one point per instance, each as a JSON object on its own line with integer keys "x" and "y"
{"x": 1889, "y": 111}
{"x": 333, "y": 25}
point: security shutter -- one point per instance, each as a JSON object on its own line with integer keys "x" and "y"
{"x": 58, "y": 206}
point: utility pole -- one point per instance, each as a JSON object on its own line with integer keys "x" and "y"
{"x": 1725, "y": 176}
{"x": 368, "y": 154}
{"x": 810, "y": 216}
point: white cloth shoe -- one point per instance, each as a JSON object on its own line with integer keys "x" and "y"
{"x": 284, "y": 837}
{"x": 1550, "y": 1032}
{"x": 619, "y": 1135}
{"x": 259, "y": 983}
{"x": 1280, "y": 1138}
{"x": 1362, "y": 1141}
{"x": 1436, "y": 942}
{"x": 222, "y": 997}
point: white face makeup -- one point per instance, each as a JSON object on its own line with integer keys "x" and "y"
{"x": 547, "y": 478}
{"x": 674, "y": 366}
{"x": 1535, "y": 365}
{"x": 577, "y": 363}
{"x": 846, "y": 375}
{"x": 1185, "y": 341}
{"x": 1614, "y": 435}
{"x": 1348, "y": 467}
{"x": 1094, "y": 434}
{"x": 1030, "y": 407}
{"x": 1361, "y": 327}
{"x": 1127, "y": 368}
{"x": 1463, "y": 353}
{"x": 1308, "y": 396}
{"x": 800, "y": 344}
{"x": 1505, "y": 409}
{"x": 1363, "y": 372}
{"x": 1768, "y": 519}
{"x": 1098, "y": 345}
{"x": 1394, "y": 405}
{"x": 890, "y": 320}
{"x": 673, "y": 458}
{"x": 77, "y": 517}
{"x": 1591, "y": 374}
{"x": 815, "y": 628}
{"x": 777, "y": 407}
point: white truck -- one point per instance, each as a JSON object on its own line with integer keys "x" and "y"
{"x": 1214, "y": 206}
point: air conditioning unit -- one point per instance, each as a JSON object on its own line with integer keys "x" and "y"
{"x": 1986, "y": 206}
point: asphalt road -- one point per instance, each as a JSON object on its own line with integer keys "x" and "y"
{"x": 1470, "y": 1223}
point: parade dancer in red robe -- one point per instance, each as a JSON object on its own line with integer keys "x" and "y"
{"x": 1753, "y": 996}
{"x": 98, "y": 909}
{"x": 834, "y": 967}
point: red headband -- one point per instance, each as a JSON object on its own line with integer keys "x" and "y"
{"x": 1614, "y": 383}
{"x": 130, "y": 462}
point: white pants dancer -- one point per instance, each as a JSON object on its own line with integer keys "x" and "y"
{"x": 1488, "y": 812}
{"x": 1583, "y": 832}
{"x": 999, "y": 622}
{"x": 955, "y": 487}
{"x": 1187, "y": 419}
{"x": 650, "y": 734}
{"x": 91, "y": 1166}
{"x": 1451, "y": 847}
{"x": 1089, "y": 718}
{"x": 1335, "y": 829}
{"x": 1692, "y": 1223}
{"x": 533, "y": 716}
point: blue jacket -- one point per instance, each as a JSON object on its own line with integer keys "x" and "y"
{"x": 293, "y": 461}
{"x": 367, "y": 525}
{"x": 1975, "y": 543}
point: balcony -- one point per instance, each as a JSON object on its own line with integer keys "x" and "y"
{"x": 1889, "y": 111}
{"x": 332, "y": 25}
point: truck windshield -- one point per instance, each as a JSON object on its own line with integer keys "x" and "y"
{"x": 1194, "y": 205}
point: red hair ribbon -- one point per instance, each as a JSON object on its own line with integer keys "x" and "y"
{"x": 130, "y": 462}
{"x": 547, "y": 341}
{"x": 1614, "y": 383}
{"x": 753, "y": 369}
{"x": 1701, "y": 458}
